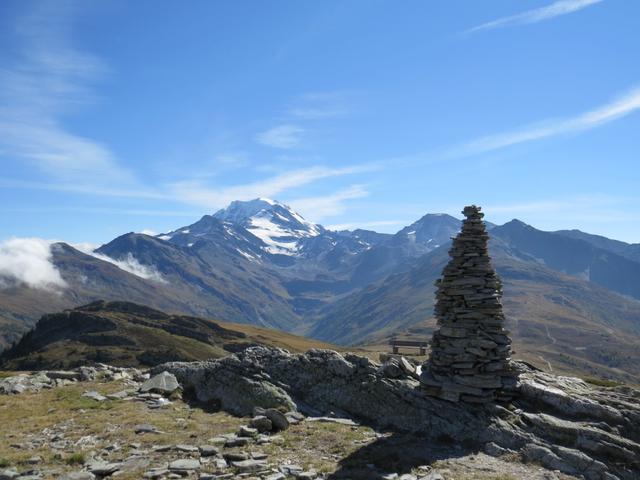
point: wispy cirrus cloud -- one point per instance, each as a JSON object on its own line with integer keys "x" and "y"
{"x": 49, "y": 79}
{"x": 614, "y": 110}
{"x": 316, "y": 106}
{"x": 318, "y": 208}
{"x": 282, "y": 136}
{"x": 209, "y": 196}
{"x": 556, "y": 9}
{"x": 85, "y": 187}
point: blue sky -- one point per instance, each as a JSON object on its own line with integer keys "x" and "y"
{"x": 132, "y": 116}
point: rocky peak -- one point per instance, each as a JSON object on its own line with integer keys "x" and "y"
{"x": 428, "y": 233}
{"x": 278, "y": 226}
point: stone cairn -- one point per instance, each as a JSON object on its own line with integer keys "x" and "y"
{"x": 470, "y": 350}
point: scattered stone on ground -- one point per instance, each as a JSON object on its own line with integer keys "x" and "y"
{"x": 321, "y": 415}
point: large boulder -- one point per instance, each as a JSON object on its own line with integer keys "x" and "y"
{"x": 163, "y": 383}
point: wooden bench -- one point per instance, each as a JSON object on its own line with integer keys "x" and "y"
{"x": 420, "y": 344}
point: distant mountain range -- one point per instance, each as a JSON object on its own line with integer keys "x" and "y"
{"x": 261, "y": 263}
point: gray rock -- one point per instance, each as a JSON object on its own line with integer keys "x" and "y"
{"x": 237, "y": 441}
{"x": 247, "y": 432}
{"x": 8, "y": 474}
{"x": 275, "y": 476}
{"x": 156, "y": 473}
{"x": 77, "y": 476}
{"x": 145, "y": 428}
{"x": 162, "y": 448}
{"x": 249, "y": 465}
{"x": 103, "y": 469}
{"x": 186, "y": 448}
{"x": 307, "y": 475}
{"x": 291, "y": 469}
{"x": 341, "y": 421}
{"x": 218, "y": 440}
{"x": 164, "y": 383}
{"x": 118, "y": 395}
{"x": 278, "y": 419}
{"x": 94, "y": 396}
{"x": 391, "y": 369}
{"x": 63, "y": 375}
{"x": 133, "y": 463}
{"x": 184, "y": 465}
{"x": 294, "y": 417}
{"x": 407, "y": 367}
{"x": 261, "y": 423}
{"x": 432, "y": 476}
{"x": 495, "y": 450}
{"x": 235, "y": 456}
{"x": 208, "y": 451}
{"x": 220, "y": 463}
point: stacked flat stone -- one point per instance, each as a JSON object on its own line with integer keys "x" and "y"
{"x": 470, "y": 350}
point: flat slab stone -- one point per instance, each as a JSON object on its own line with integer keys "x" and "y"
{"x": 249, "y": 465}
{"x": 184, "y": 465}
{"x": 76, "y": 476}
{"x": 94, "y": 395}
{"x": 104, "y": 469}
{"x": 163, "y": 382}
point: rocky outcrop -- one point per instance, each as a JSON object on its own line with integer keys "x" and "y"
{"x": 560, "y": 422}
{"x": 470, "y": 350}
{"x": 36, "y": 381}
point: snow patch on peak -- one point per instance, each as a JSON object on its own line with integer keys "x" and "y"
{"x": 275, "y": 224}
{"x": 278, "y": 240}
{"x": 239, "y": 211}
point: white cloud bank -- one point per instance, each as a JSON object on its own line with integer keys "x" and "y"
{"x": 131, "y": 265}
{"x": 28, "y": 261}
{"x": 556, "y": 9}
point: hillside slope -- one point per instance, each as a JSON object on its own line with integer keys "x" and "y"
{"x": 557, "y": 321}
{"x": 574, "y": 256}
{"x": 127, "y": 334}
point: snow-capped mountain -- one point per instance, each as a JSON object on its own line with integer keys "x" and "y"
{"x": 275, "y": 224}
{"x": 253, "y": 228}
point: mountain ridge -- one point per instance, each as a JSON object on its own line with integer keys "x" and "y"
{"x": 217, "y": 267}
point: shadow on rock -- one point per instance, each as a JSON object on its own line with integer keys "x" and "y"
{"x": 398, "y": 453}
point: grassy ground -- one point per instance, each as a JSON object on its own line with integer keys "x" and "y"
{"x": 323, "y": 447}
